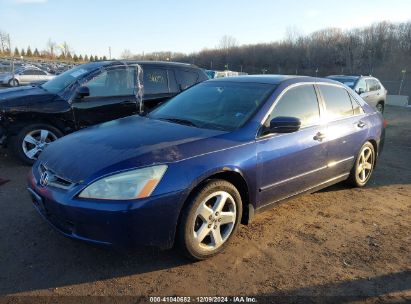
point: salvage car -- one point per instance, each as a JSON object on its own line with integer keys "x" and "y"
{"x": 212, "y": 157}
{"x": 24, "y": 76}
{"x": 368, "y": 87}
{"x": 31, "y": 117}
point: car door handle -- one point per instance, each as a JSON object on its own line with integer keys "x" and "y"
{"x": 319, "y": 136}
{"x": 361, "y": 124}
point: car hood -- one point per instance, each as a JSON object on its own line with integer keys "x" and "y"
{"x": 127, "y": 143}
{"x": 26, "y": 98}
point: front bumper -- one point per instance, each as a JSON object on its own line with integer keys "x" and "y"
{"x": 123, "y": 225}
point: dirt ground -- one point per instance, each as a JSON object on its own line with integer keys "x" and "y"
{"x": 339, "y": 241}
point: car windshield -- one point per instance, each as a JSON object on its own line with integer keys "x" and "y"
{"x": 67, "y": 78}
{"x": 215, "y": 105}
{"x": 349, "y": 81}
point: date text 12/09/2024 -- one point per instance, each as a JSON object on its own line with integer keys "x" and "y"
{"x": 239, "y": 299}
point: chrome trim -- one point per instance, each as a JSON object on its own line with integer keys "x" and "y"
{"x": 329, "y": 165}
{"x": 291, "y": 178}
{"x": 308, "y": 189}
{"x": 53, "y": 179}
{"x": 323, "y": 112}
{"x": 333, "y": 164}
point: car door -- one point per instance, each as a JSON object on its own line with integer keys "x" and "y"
{"x": 346, "y": 129}
{"x": 28, "y": 76}
{"x": 41, "y": 76}
{"x": 111, "y": 96}
{"x": 159, "y": 85}
{"x": 289, "y": 163}
{"x": 372, "y": 95}
{"x": 379, "y": 91}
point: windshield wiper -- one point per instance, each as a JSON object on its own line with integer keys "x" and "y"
{"x": 181, "y": 121}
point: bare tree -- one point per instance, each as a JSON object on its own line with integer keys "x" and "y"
{"x": 65, "y": 49}
{"x": 126, "y": 54}
{"x": 5, "y": 42}
{"x": 227, "y": 42}
{"x": 51, "y": 46}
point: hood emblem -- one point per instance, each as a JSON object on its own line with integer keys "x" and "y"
{"x": 44, "y": 179}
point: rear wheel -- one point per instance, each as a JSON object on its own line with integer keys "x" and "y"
{"x": 210, "y": 219}
{"x": 380, "y": 107}
{"x": 13, "y": 82}
{"x": 32, "y": 140}
{"x": 363, "y": 166}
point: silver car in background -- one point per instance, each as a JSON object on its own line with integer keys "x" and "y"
{"x": 368, "y": 87}
{"x": 24, "y": 76}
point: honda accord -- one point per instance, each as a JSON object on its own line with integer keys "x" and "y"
{"x": 207, "y": 160}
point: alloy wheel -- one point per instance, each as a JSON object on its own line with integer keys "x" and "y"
{"x": 365, "y": 164}
{"x": 214, "y": 220}
{"x": 36, "y": 141}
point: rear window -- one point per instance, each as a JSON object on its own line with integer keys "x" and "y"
{"x": 337, "y": 101}
{"x": 186, "y": 78}
{"x": 355, "y": 105}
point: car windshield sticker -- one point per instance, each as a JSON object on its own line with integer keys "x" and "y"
{"x": 78, "y": 73}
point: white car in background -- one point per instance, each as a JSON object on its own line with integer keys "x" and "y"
{"x": 368, "y": 87}
{"x": 24, "y": 76}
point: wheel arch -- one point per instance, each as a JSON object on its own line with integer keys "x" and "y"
{"x": 232, "y": 175}
{"x": 26, "y": 120}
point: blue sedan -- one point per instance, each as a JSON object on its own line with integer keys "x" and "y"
{"x": 207, "y": 160}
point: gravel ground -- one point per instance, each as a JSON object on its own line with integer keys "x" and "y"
{"x": 339, "y": 241}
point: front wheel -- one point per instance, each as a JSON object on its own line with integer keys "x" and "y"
{"x": 210, "y": 219}
{"x": 32, "y": 140}
{"x": 363, "y": 166}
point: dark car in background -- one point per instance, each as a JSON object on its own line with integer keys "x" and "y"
{"x": 213, "y": 156}
{"x": 368, "y": 87}
{"x": 31, "y": 117}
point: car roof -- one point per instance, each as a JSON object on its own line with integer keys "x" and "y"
{"x": 353, "y": 77}
{"x": 145, "y": 62}
{"x": 271, "y": 79}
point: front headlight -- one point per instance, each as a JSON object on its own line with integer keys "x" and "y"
{"x": 128, "y": 185}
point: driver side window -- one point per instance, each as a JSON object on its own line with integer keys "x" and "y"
{"x": 300, "y": 102}
{"x": 112, "y": 82}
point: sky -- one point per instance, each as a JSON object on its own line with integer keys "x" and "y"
{"x": 92, "y": 26}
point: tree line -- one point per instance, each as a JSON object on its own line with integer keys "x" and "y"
{"x": 381, "y": 49}
{"x": 53, "y": 51}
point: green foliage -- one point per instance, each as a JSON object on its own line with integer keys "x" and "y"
{"x": 29, "y": 53}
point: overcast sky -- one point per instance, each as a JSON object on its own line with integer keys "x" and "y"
{"x": 91, "y": 26}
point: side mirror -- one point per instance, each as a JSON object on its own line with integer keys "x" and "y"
{"x": 361, "y": 91}
{"x": 282, "y": 124}
{"x": 82, "y": 92}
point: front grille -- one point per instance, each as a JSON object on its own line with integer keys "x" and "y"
{"x": 54, "y": 180}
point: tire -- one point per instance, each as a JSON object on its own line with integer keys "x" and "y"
{"x": 362, "y": 170}
{"x": 31, "y": 138}
{"x": 14, "y": 82}
{"x": 380, "y": 107}
{"x": 203, "y": 216}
